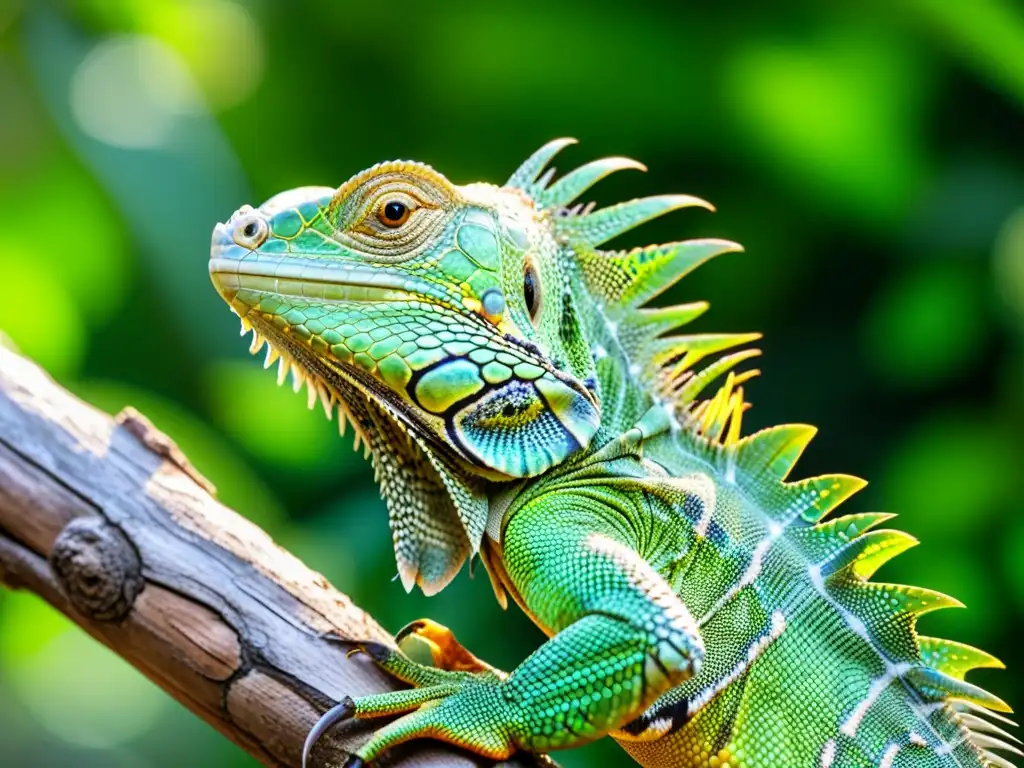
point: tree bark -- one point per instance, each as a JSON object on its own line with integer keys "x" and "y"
{"x": 107, "y": 521}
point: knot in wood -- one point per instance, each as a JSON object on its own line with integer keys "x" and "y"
{"x": 97, "y": 567}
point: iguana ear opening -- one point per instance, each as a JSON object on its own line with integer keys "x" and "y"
{"x": 524, "y": 428}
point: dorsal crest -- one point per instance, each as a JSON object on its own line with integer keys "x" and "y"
{"x": 622, "y": 282}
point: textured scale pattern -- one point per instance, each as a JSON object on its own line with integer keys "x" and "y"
{"x": 521, "y": 403}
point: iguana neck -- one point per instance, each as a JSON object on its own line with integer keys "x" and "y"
{"x": 624, "y": 397}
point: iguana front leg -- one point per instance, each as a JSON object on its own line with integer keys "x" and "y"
{"x": 620, "y": 639}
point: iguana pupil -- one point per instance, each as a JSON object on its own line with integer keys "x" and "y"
{"x": 394, "y": 212}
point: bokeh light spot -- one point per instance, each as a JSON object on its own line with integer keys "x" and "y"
{"x": 26, "y": 625}
{"x": 836, "y": 113}
{"x": 273, "y": 423}
{"x": 1008, "y": 265}
{"x": 220, "y": 41}
{"x": 950, "y": 475}
{"x": 85, "y": 257}
{"x": 131, "y": 91}
{"x": 38, "y": 314}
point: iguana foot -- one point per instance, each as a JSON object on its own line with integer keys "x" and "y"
{"x": 456, "y": 698}
{"x": 592, "y": 677}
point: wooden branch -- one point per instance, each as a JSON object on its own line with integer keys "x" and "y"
{"x": 108, "y": 522}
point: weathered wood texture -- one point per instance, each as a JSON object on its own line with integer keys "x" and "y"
{"x": 107, "y": 521}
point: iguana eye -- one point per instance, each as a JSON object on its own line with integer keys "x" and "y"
{"x": 393, "y": 213}
{"x": 531, "y": 291}
{"x": 251, "y": 231}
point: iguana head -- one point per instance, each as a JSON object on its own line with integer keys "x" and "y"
{"x": 454, "y": 326}
{"x": 443, "y": 304}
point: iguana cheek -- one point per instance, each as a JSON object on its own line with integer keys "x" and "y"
{"x": 481, "y": 245}
{"x": 474, "y": 265}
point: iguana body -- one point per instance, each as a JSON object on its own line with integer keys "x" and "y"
{"x": 520, "y": 405}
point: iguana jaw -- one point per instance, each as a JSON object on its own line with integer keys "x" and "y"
{"x": 345, "y": 388}
{"x": 415, "y": 469}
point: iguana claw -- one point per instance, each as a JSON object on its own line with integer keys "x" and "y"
{"x": 343, "y": 710}
{"x": 376, "y": 651}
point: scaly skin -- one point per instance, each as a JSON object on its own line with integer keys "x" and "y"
{"x": 519, "y": 404}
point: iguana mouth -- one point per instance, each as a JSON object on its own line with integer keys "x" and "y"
{"x": 311, "y": 279}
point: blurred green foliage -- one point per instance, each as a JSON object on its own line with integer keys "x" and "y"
{"x": 869, "y": 156}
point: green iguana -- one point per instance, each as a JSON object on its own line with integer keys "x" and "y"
{"x": 521, "y": 404}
